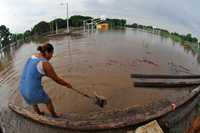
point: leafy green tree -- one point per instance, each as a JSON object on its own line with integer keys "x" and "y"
{"x": 140, "y": 27}
{"x": 115, "y": 23}
{"x": 19, "y": 36}
{"x": 27, "y": 34}
{"x": 149, "y": 27}
{"x": 134, "y": 25}
{"x": 59, "y": 22}
{"x": 40, "y": 28}
{"x": 188, "y": 37}
{"x": 13, "y": 37}
{"x": 77, "y": 20}
{"x": 4, "y": 36}
{"x": 176, "y": 37}
{"x": 194, "y": 40}
{"x": 164, "y": 33}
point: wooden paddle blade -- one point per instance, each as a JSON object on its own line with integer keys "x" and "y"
{"x": 100, "y": 100}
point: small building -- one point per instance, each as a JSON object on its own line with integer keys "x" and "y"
{"x": 102, "y": 26}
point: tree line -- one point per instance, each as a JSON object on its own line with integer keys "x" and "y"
{"x": 6, "y": 37}
{"x": 77, "y": 21}
{"x": 74, "y": 21}
{"x": 45, "y": 27}
{"x": 163, "y": 32}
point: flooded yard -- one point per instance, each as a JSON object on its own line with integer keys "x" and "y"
{"x": 101, "y": 63}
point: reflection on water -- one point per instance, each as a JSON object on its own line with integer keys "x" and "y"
{"x": 102, "y": 62}
{"x": 5, "y": 57}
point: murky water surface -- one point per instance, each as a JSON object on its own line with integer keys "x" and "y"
{"x": 101, "y": 63}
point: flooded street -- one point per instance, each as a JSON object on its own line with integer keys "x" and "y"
{"x": 100, "y": 63}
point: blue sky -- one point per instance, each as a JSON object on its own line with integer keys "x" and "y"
{"x": 175, "y": 15}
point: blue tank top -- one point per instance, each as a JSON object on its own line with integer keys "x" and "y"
{"x": 30, "y": 83}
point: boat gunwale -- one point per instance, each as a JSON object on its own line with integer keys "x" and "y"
{"x": 96, "y": 124}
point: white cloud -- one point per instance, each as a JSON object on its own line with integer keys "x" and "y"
{"x": 106, "y": 1}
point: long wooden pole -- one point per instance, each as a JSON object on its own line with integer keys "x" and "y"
{"x": 162, "y": 76}
{"x": 165, "y": 84}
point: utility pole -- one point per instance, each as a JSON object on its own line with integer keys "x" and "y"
{"x": 67, "y": 16}
{"x": 56, "y": 27}
{"x": 92, "y": 25}
{"x": 84, "y": 25}
{"x": 67, "y": 13}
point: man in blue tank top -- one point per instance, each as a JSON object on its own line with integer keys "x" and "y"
{"x": 31, "y": 87}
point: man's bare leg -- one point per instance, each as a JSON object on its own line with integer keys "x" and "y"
{"x": 51, "y": 109}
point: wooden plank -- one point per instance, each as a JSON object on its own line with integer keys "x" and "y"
{"x": 151, "y": 127}
{"x": 162, "y": 76}
{"x": 165, "y": 84}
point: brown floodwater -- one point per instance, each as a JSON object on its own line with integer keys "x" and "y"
{"x": 101, "y": 63}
